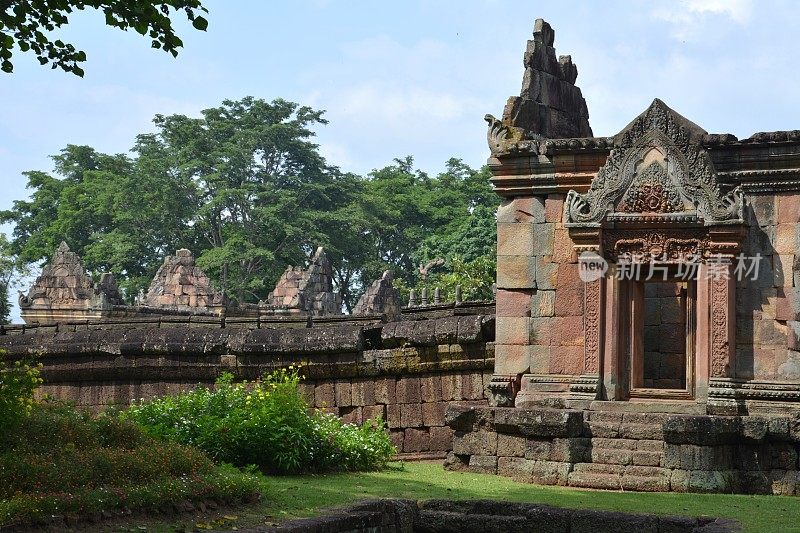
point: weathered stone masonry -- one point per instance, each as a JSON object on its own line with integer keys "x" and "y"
{"x": 357, "y": 367}
{"x": 685, "y": 384}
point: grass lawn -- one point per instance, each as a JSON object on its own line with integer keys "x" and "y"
{"x": 293, "y": 496}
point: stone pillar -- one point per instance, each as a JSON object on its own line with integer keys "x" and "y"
{"x": 586, "y": 387}
{"x": 722, "y": 334}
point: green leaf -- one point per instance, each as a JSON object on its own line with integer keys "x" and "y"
{"x": 200, "y": 23}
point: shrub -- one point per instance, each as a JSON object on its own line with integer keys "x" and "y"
{"x": 61, "y": 462}
{"x": 18, "y": 380}
{"x": 266, "y": 423}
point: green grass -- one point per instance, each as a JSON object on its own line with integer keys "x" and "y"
{"x": 286, "y": 497}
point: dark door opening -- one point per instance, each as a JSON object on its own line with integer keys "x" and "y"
{"x": 661, "y": 333}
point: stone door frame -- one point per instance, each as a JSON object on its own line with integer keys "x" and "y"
{"x": 715, "y": 303}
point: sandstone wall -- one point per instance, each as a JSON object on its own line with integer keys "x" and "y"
{"x": 406, "y": 372}
{"x": 539, "y": 328}
{"x": 768, "y": 309}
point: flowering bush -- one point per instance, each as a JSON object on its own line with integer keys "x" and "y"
{"x": 18, "y": 380}
{"x": 266, "y": 423}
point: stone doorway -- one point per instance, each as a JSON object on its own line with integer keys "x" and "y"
{"x": 660, "y": 339}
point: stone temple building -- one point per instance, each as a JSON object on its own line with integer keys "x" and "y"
{"x": 647, "y": 283}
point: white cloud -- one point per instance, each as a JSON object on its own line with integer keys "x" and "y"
{"x": 690, "y": 16}
{"x": 381, "y": 101}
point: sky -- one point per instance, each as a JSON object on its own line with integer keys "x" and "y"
{"x": 405, "y": 78}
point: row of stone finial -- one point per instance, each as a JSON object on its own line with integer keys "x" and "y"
{"x": 65, "y": 291}
{"x": 425, "y": 298}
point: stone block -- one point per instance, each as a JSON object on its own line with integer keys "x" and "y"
{"x": 550, "y": 473}
{"x": 543, "y": 303}
{"x": 373, "y": 412}
{"x": 701, "y": 430}
{"x": 542, "y": 331}
{"x": 521, "y": 210}
{"x": 416, "y": 440}
{"x": 409, "y": 390}
{"x": 441, "y": 439}
{"x": 783, "y": 455}
{"x": 614, "y": 444}
{"x": 411, "y": 415}
{"x": 567, "y": 360}
{"x": 433, "y": 413}
{"x": 569, "y": 302}
{"x": 343, "y": 393}
{"x": 510, "y": 445}
{"x": 397, "y": 436}
{"x": 783, "y": 270}
{"x": 539, "y": 358}
{"x": 393, "y": 416}
{"x": 516, "y": 468}
{"x": 468, "y": 417}
{"x": 546, "y": 273}
{"x": 351, "y": 415}
{"x": 656, "y": 482}
{"x": 363, "y": 392}
{"x": 431, "y": 388}
{"x": 484, "y": 464}
{"x": 554, "y": 207}
{"x": 787, "y": 304}
{"x": 451, "y": 387}
{"x": 513, "y": 330}
{"x": 564, "y": 248}
{"x": 764, "y": 209}
{"x": 446, "y": 330}
{"x": 510, "y": 359}
{"x": 788, "y": 208}
{"x": 786, "y": 238}
{"x": 516, "y": 272}
{"x": 513, "y": 303}
{"x": 544, "y": 239}
{"x": 793, "y": 335}
{"x": 566, "y": 331}
{"x": 538, "y": 449}
{"x": 571, "y": 450}
{"x": 515, "y": 239}
{"x": 475, "y": 443}
{"x": 611, "y": 456}
{"x": 539, "y": 423}
{"x": 324, "y": 395}
{"x": 647, "y": 458}
{"x": 784, "y": 483}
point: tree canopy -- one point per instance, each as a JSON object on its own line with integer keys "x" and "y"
{"x": 245, "y": 187}
{"x": 26, "y": 25}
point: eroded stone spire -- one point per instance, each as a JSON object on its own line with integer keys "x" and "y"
{"x": 550, "y": 105}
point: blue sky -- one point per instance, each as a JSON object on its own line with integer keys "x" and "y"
{"x": 412, "y": 77}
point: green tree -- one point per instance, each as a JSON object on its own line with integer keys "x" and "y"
{"x": 245, "y": 187}
{"x": 8, "y": 271}
{"x": 26, "y": 24}
{"x": 120, "y": 214}
{"x": 266, "y": 197}
{"x": 437, "y": 230}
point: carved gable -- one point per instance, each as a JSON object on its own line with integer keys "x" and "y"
{"x": 657, "y": 169}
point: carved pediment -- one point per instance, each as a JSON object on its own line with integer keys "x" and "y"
{"x": 657, "y": 167}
